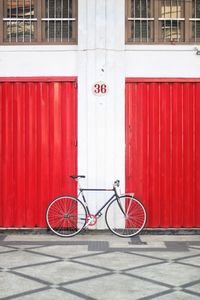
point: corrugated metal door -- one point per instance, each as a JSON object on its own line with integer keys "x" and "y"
{"x": 163, "y": 149}
{"x": 38, "y": 132}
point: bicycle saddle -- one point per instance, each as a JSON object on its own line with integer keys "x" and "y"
{"x": 77, "y": 176}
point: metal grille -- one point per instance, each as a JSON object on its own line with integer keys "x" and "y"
{"x": 172, "y": 20}
{"x": 19, "y": 21}
{"x": 140, "y": 21}
{"x": 59, "y": 20}
{"x": 195, "y": 20}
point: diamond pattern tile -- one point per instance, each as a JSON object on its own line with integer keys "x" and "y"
{"x": 62, "y": 251}
{"x": 62, "y": 271}
{"x": 21, "y": 258}
{"x": 126, "y": 288}
{"x": 191, "y": 260}
{"x": 118, "y": 260}
{"x": 11, "y": 284}
{"x": 51, "y": 294}
{"x": 178, "y": 296}
{"x": 169, "y": 273}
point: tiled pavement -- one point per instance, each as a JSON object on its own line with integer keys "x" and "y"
{"x": 100, "y": 267}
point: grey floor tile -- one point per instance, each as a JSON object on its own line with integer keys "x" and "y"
{"x": 51, "y": 294}
{"x": 117, "y": 287}
{"x": 177, "y": 296}
{"x": 169, "y": 273}
{"x": 59, "y": 272}
{"x": 11, "y": 284}
{"x": 118, "y": 260}
{"x": 21, "y": 258}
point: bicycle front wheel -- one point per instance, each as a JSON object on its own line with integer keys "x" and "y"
{"x": 125, "y": 216}
{"x": 66, "y": 216}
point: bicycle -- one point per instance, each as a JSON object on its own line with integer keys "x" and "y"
{"x": 66, "y": 216}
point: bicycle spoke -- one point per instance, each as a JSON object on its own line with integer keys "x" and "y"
{"x": 64, "y": 218}
{"x": 130, "y": 215}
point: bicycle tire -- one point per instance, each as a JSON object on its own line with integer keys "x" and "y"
{"x": 130, "y": 214}
{"x": 66, "y": 216}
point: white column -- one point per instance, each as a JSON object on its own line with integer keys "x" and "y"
{"x": 101, "y": 131}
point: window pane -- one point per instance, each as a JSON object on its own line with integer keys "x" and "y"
{"x": 67, "y": 9}
{"x": 172, "y": 9}
{"x": 195, "y": 37}
{"x": 195, "y": 8}
{"x": 18, "y": 28}
{"x": 141, "y": 31}
{"x": 67, "y": 30}
{"x": 58, "y": 9}
{"x": 54, "y": 30}
{"x": 140, "y": 8}
{"x": 19, "y": 31}
{"x": 20, "y": 9}
{"x": 171, "y": 30}
{"x": 59, "y": 29}
{"x": 195, "y": 24}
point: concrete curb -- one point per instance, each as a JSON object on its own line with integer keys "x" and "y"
{"x": 146, "y": 231}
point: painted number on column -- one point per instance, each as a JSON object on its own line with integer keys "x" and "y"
{"x": 100, "y": 88}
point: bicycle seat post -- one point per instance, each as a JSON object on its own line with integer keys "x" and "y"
{"x": 79, "y": 185}
{"x": 77, "y": 177}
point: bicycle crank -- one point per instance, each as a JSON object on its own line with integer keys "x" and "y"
{"x": 91, "y": 220}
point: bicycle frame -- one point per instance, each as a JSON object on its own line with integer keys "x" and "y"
{"x": 98, "y": 213}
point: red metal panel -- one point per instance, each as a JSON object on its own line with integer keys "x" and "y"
{"x": 162, "y": 149}
{"x": 38, "y": 152}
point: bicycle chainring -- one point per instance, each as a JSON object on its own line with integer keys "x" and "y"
{"x": 93, "y": 219}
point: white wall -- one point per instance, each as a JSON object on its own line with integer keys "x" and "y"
{"x": 100, "y": 55}
{"x": 162, "y": 61}
{"x": 38, "y": 61}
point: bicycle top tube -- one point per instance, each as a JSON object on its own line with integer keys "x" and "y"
{"x": 77, "y": 177}
{"x": 97, "y": 190}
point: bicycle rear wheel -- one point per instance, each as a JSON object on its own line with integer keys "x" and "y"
{"x": 66, "y": 216}
{"x": 125, "y": 216}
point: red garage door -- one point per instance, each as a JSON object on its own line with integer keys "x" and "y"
{"x": 38, "y": 132}
{"x": 163, "y": 149}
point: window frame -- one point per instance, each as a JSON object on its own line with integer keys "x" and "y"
{"x": 187, "y": 26}
{"x": 39, "y": 33}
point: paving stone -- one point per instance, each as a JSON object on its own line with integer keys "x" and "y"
{"x": 118, "y": 260}
{"x": 62, "y": 251}
{"x": 21, "y": 258}
{"x": 117, "y": 287}
{"x": 178, "y": 296}
{"x": 51, "y": 294}
{"x": 194, "y": 260}
{"x": 174, "y": 274}
{"x": 61, "y": 271}
{"x": 11, "y": 284}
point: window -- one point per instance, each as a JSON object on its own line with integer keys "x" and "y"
{"x": 162, "y": 21}
{"x": 140, "y": 21}
{"x": 195, "y": 20}
{"x": 171, "y": 21}
{"x": 38, "y": 21}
